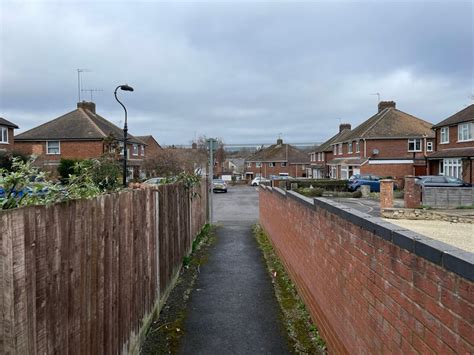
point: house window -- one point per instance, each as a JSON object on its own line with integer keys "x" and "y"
{"x": 249, "y": 165}
{"x": 349, "y": 147}
{"x": 53, "y": 148}
{"x": 452, "y": 167}
{"x": 464, "y": 132}
{"x": 143, "y": 150}
{"x": 441, "y": 167}
{"x": 135, "y": 149}
{"x": 271, "y": 165}
{"x": 344, "y": 172}
{"x": 429, "y": 146}
{"x": 121, "y": 148}
{"x": 3, "y": 135}
{"x": 333, "y": 172}
{"x": 334, "y": 150}
{"x": 322, "y": 156}
{"x": 444, "y": 135}
{"x": 357, "y": 147}
{"x": 258, "y": 164}
{"x": 339, "y": 147}
{"x": 414, "y": 145}
{"x": 283, "y": 164}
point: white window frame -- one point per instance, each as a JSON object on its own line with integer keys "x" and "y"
{"x": 465, "y": 132}
{"x": 143, "y": 150}
{"x": 258, "y": 164}
{"x": 349, "y": 147}
{"x": 48, "y": 148}
{"x": 271, "y": 165}
{"x": 334, "y": 150}
{"x": 444, "y": 135}
{"x": 452, "y": 167}
{"x": 283, "y": 164}
{"x": 416, "y": 142}
{"x": 429, "y": 146}
{"x": 339, "y": 148}
{"x": 357, "y": 147}
{"x": 333, "y": 172}
{"x": 249, "y": 164}
{"x": 135, "y": 149}
{"x": 3, "y": 135}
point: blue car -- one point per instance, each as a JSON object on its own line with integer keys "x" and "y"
{"x": 356, "y": 181}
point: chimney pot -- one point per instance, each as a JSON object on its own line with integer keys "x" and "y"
{"x": 87, "y": 106}
{"x": 344, "y": 126}
{"x": 386, "y": 104}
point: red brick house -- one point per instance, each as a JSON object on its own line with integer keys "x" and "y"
{"x": 319, "y": 169}
{"x": 153, "y": 148}
{"x": 79, "y": 134}
{"x": 454, "y": 146}
{"x": 390, "y": 143}
{"x": 279, "y": 158}
{"x": 7, "y": 139}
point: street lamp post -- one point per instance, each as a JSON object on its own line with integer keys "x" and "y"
{"x": 125, "y": 130}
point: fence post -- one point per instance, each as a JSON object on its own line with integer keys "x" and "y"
{"x": 386, "y": 193}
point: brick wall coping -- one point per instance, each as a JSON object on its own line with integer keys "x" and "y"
{"x": 451, "y": 258}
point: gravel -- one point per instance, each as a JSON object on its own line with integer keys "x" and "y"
{"x": 460, "y": 235}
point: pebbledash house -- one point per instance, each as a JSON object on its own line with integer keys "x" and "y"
{"x": 454, "y": 146}
{"x": 79, "y": 134}
{"x": 390, "y": 143}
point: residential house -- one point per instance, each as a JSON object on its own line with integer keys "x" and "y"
{"x": 79, "y": 134}
{"x": 235, "y": 166}
{"x": 319, "y": 169}
{"x": 390, "y": 143}
{"x": 279, "y": 158}
{"x": 6, "y": 135}
{"x": 454, "y": 146}
{"x": 153, "y": 148}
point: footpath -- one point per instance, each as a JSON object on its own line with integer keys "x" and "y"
{"x": 232, "y": 309}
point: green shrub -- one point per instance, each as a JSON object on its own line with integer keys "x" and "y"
{"x": 309, "y": 192}
{"x": 325, "y": 184}
{"x": 6, "y": 159}
{"x": 66, "y": 167}
{"x": 357, "y": 194}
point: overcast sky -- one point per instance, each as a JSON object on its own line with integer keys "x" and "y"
{"x": 244, "y": 71}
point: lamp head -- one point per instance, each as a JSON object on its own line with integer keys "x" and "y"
{"x": 126, "y": 87}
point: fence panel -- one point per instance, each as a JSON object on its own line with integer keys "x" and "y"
{"x": 447, "y": 197}
{"x": 81, "y": 276}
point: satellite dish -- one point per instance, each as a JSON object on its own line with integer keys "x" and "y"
{"x": 375, "y": 151}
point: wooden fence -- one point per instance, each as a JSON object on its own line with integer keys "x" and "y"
{"x": 86, "y": 276}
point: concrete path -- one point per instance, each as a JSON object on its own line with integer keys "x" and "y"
{"x": 233, "y": 309}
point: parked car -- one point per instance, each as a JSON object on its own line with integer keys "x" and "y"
{"x": 258, "y": 180}
{"x": 219, "y": 185}
{"x": 356, "y": 181}
{"x": 440, "y": 181}
{"x": 160, "y": 180}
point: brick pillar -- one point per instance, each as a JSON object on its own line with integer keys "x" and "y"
{"x": 386, "y": 193}
{"x": 412, "y": 193}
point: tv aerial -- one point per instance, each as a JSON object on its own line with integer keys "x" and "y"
{"x": 91, "y": 91}
{"x": 79, "y": 81}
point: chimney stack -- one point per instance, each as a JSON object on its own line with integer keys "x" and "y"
{"x": 194, "y": 145}
{"x": 344, "y": 126}
{"x": 86, "y": 106}
{"x": 279, "y": 141}
{"x": 386, "y": 104}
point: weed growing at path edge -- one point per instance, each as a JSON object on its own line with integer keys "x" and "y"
{"x": 303, "y": 334}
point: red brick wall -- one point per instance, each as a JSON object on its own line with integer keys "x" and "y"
{"x": 453, "y": 140}
{"x": 366, "y": 294}
{"x": 71, "y": 150}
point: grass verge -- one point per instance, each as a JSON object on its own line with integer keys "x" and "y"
{"x": 303, "y": 334}
{"x": 167, "y": 329}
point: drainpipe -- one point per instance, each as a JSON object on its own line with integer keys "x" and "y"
{"x": 365, "y": 148}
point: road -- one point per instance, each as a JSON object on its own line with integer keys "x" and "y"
{"x": 369, "y": 206}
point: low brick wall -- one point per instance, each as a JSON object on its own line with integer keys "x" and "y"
{"x": 420, "y": 214}
{"x": 370, "y": 286}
